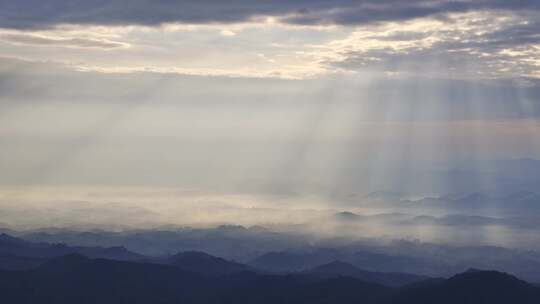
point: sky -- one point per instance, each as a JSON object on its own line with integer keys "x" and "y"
{"x": 267, "y": 104}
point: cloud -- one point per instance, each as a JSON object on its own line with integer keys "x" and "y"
{"x": 39, "y": 40}
{"x": 474, "y": 45}
{"x": 34, "y": 13}
{"x": 432, "y": 99}
{"x": 227, "y": 33}
{"x": 436, "y": 38}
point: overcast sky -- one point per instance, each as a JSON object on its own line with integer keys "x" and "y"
{"x": 270, "y": 97}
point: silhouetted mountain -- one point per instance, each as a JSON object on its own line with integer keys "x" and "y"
{"x": 17, "y": 254}
{"x": 287, "y": 261}
{"x": 203, "y": 263}
{"x": 232, "y": 242}
{"x": 342, "y": 269}
{"x": 77, "y": 279}
{"x": 12, "y": 262}
{"x": 471, "y": 287}
{"x": 270, "y": 289}
{"x": 7, "y": 240}
{"x": 283, "y": 252}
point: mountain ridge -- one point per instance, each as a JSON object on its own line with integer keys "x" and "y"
{"x": 77, "y": 279}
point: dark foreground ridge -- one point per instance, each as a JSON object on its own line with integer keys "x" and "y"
{"x": 342, "y": 269}
{"x": 56, "y": 273}
{"x": 77, "y": 279}
{"x": 205, "y": 264}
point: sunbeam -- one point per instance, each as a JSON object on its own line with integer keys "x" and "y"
{"x": 382, "y": 141}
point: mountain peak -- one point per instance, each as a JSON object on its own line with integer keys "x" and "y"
{"x": 487, "y": 277}
{"x": 344, "y": 269}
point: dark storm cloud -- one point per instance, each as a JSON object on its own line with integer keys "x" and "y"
{"x": 362, "y": 12}
{"x": 38, "y": 13}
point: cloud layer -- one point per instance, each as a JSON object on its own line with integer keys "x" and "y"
{"x": 473, "y": 45}
{"x": 40, "y": 40}
{"x": 35, "y": 13}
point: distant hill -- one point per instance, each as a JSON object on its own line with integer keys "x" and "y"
{"x": 203, "y": 263}
{"x": 282, "y": 252}
{"x": 342, "y": 269}
{"x": 232, "y": 242}
{"x": 292, "y": 261}
{"x": 18, "y": 254}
